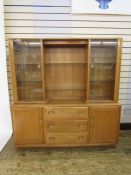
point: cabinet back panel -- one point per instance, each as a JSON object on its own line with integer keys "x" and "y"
{"x": 65, "y": 71}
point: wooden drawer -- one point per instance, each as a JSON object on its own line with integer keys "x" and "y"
{"x": 59, "y": 139}
{"x": 66, "y": 113}
{"x": 66, "y": 126}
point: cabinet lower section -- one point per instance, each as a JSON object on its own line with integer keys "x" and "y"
{"x": 51, "y": 125}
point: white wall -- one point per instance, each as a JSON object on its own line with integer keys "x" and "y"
{"x": 5, "y": 117}
{"x": 53, "y": 18}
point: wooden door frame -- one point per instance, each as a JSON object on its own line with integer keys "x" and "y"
{"x": 13, "y": 70}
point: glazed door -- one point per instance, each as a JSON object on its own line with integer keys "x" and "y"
{"x": 28, "y": 125}
{"x": 28, "y": 69}
{"x": 104, "y": 124}
{"x": 103, "y": 69}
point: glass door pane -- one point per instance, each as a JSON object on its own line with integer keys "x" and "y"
{"x": 102, "y": 69}
{"x": 28, "y": 69}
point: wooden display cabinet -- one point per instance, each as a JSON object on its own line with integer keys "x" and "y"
{"x": 65, "y": 91}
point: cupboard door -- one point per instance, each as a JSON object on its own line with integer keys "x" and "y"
{"x": 104, "y": 124}
{"x": 28, "y": 125}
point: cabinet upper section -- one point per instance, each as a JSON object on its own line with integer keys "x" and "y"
{"x": 65, "y": 70}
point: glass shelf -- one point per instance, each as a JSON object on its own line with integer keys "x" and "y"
{"x": 19, "y": 64}
{"x": 28, "y": 81}
{"x": 101, "y": 81}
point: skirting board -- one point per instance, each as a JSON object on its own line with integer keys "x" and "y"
{"x": 4, "y": 137}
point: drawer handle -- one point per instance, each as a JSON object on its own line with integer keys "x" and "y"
{"x": 51, "y": 112}
{"x": 51, "y": 138}
{"x": 51, "y": 125}
{"x": 81, "y": 125}
{"x": 81, "y": 111}
{"x": 80, "y": 137}
{"x": 41, "y": 120}
{"x": 92, "y": 120}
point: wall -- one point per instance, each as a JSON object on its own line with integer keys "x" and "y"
{"x": 53, "y": 18}
{"x": 5, "y": 118}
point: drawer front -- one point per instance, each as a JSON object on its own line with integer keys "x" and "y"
{"x": 65, "y": 113}
{"x": 59, "y": 139}
{"x": 66, "y": 126}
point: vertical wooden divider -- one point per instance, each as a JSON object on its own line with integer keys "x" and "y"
{"x": 88, "y": 70}
{"x": 43, "y": 69}
{"x": 117, "y": 72}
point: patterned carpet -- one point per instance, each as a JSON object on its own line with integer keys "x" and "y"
{"x": 68, "y": 161}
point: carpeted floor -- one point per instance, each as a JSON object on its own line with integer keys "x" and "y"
{"x": 68, "y": 161}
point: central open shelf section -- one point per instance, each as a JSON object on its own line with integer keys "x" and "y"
{"x": 65, "y": 70}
